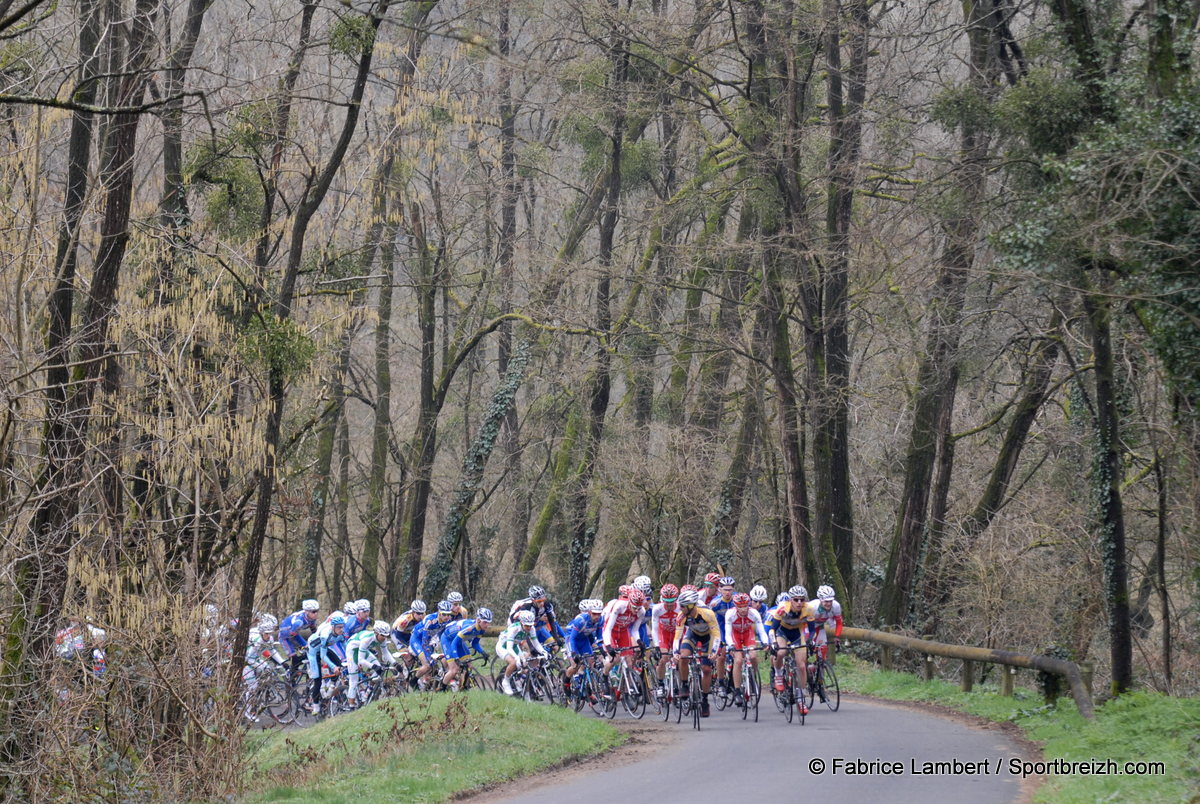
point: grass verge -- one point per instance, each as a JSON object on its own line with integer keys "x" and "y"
{"x": 420, "y": 748}
{"x": 1137, "y": 727}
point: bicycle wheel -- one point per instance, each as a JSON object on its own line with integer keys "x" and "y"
{"x": 650, "y": 684}
{"x": 722, "y": 692}
{"x": 694, "y": 702}
{"x": 753, "y": 691}
{"x": 801, "y": 704}
{"x": 544, "y": 685}
{"x": 596, "y": 691}
{"x": 633, "y": 696}
{"x": 828, "y": 684}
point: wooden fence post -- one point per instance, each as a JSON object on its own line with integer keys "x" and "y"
{"x": 968, "y": 675}
{"x": 1007, "y": 677}
{"x": 927, "y": 666}
{"x": 1087, "y": 670}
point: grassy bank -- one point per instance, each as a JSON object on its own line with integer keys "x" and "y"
{"x": 1139, "y": 727}
{"x": 420, "y": 748}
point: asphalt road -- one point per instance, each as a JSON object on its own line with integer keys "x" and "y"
{"x": 735, "y": 760}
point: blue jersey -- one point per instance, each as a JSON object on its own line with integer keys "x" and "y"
{"x": 458, "y": 633}
{"x": 290, "y": 628}
{"x": 353, "y": 625}
{"x": 584, "y": 627}
{"x": 426, "y": 632}
{"x": 719, "y": 607}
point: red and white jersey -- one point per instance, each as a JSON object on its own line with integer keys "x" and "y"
{"x": 741, "y": 629}
{"x": 620, "y": 616}
{"x": 663, "y": 624}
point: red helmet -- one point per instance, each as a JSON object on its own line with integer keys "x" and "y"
{"x": 741, "y": 600}
{"x": 623, "y": 592}
{"x": 689, "y": 587}
{"x": 669, "y": 592}
{"x": 636, "y": 598}
{"x": 712, "y": 578}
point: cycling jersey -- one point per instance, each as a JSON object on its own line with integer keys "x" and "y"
{"x": 663, "y": 623}
{"x": 742, "y": 629}
{"x": 425, "y": 633}
{"x": 582, "y": 634}
{"x": 289, "y": 630}
{"x": 620, "y": 620}
{"x": 698, "y": 625}
{"x": 719, "y": 606}
{"x": 402, "y": 628}
{"x": 823, "y": 619}
{"x": 508, "y": 644}
{"x": 362, "y": 649}
{"x": 545, "y": 615}
{"x": 324, "y": 647}
{"x": 354, "y": 624}
{"x": 788, "y": 619}
{"x": 457, "y": 634}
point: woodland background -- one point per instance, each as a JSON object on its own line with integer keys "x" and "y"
{"x": 379, "y": 299}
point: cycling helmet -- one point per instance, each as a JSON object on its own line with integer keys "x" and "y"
{"x": 455, "y": 597}
{"x": 623, "y": 591}
{"x": 727, "y": 581}
{"x": 782, "y": 597}
{"x": 310, "y": 605}
{"x": 362, "y": 605}
{"x": 689, "y": 598}
{"x": 97, "y": 634}
{"x": 689, "y": 587}
{"x": 537, "y": 592}
{"x": 741, "y": 600}
{"x": 595, "y": 605}
{"x": 798, "y": 592}
{"x": 825, "y": 592}
{"x": 267, "y": 622}
{"x": 526, "y": 618}
{"x": 642, "y": 582}
{"x": 337, "y": 618}
{"x": 418, "y": 607}
{"x": 349, "y": 607}
{"x": 636, "y": 598}
{"x": 668, "y": 593}
{"x": 484, "y": 614}
{"x": 585, "y": 604}
{"x": 758, "y": 593}
{"x": 712, "y": 578}
{"x": 445, "y": 607}
{"x": 382, "y": 628}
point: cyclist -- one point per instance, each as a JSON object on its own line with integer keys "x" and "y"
{"x": 581, "y": 636}
{"x": 720, "y": 604}
{"x": 826, "y": 614}
{"x": 758, "y": 601}
{"x": 361, "y": 621}
{"x": 454, "y": 642}
{"x": 402, "y": 628}
{"x": 459, "y": 611}
{"x": 517, "y": 643}
{"x": 785, "y": 626}
{"x": 708, "y": 589}
{"x": 697, "y": 632}
{"x": 323, "y": 650}
{"x": 643, "y": 585}
{"x": 663, "y": 621}
{"x": 361, "y": 650}
{"x": 425, "y": 634}
{"x": 543, "y": 610}
{"x": 290, "y": 636}
{"x": 621, "y": 618}
{"x": 743, "y": 631}
{"x": 98, "y": 638}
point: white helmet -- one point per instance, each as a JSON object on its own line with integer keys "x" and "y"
{"x": 782, "y": 597}
{"x": 642, "y": 582}
{"x": 455, "y": 597}
{"x": 526, "y": 618}
{"x": 362, "y": 605}
{"x": 585, "y": 604}
{"x": 825, "y": 592}
{"x": 689, "y": 598}
{"x": 267, "y": 622}
{"x": 310, "y": 605}
{"x": 418, "y": 607}
{"x": 595, "y": 605}
{"x": 349, "y": 607}
{"x": 382, "y": 628}
{"x": 97, "y": 634}
{"x": 758, "y": 593}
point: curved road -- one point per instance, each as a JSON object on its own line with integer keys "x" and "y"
{"x": 770, "y": 761}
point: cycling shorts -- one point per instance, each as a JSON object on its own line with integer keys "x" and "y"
{"x": 696, "y": 643}
{"x": 746, "y": 640}
{"x": 792, "y": 635}
{"x": 621, "y": 638}
{"x": 292, "y": 643}
{"x": 455, "y": 648}
{"x": 581, "y": 645}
